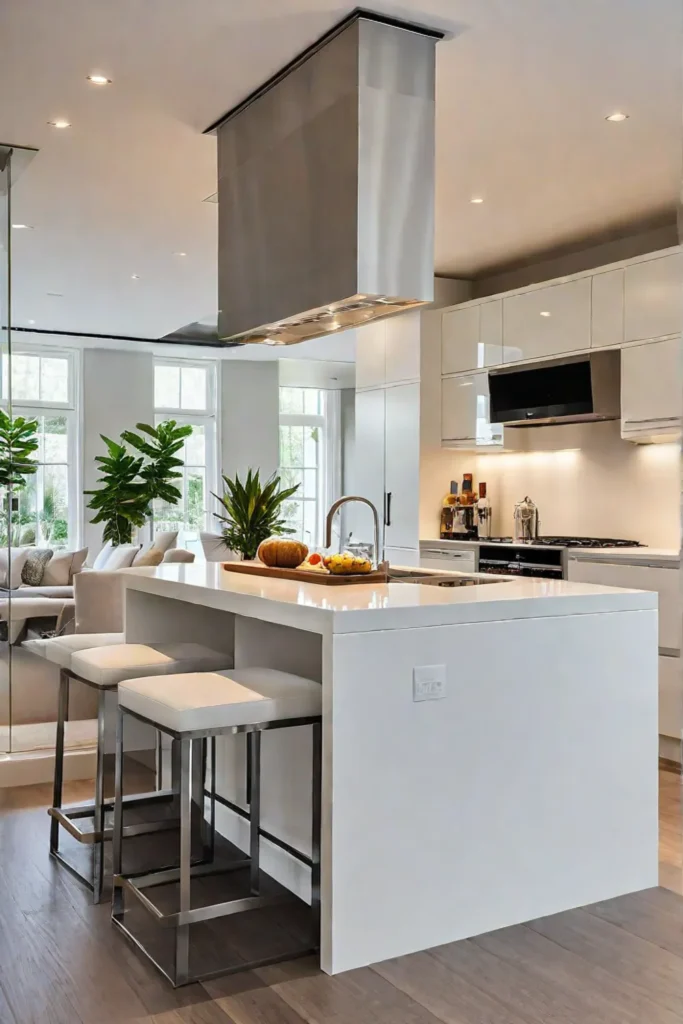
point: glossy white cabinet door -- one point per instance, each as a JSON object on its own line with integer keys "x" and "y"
{"x": 639, "y": 577}
{"x": 607, "y": 312}
{"x": 491, "y": 332}
{"x": 465, "y": 413}
{"x": 371, "y": 365}
{"x": 367, "y": 477}
{"x": 408, "y": 557}
{"x": 651, "y": 393}
{"x": 653, "y": 298}
{"x": 448, "y": 560}
{"x": 670, "y": 697}
{"x": 547, "y": 321}
{"x": 460, "y": 340}
{"x": 402, "y": 347}
{"x": 402, "y": 473}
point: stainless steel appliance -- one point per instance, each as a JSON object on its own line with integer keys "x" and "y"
{"x": 526, "y": 521}
{"x": 578, "y": 389}
{"x": 326, "y": 186}
{"x": 546, "y": 557}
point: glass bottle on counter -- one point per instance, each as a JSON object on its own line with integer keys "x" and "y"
{"x": 484, "y": 514}
{"x": 448, "y": 508}
{"x": 467, "y": 493}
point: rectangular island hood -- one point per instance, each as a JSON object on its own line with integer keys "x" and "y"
{"x": 326, "y": 187}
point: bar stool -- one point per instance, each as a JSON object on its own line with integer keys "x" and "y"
{"x": 102, "y": 666}
{"x": 202, "y": 706}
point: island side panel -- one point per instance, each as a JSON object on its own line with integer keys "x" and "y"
{"x": 530, "y": 788}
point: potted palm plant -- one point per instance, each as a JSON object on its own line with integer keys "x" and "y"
{"x": 252, "y": 512}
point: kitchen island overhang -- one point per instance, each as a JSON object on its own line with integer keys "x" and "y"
{"x": 528, "y": 788}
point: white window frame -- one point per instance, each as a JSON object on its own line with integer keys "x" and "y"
{"x": 207, "y": 418}
{"x": 33, "y": 408}
{"x": 329, "y": 478}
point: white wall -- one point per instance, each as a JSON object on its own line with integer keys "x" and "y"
{"x": 249, "y": 412}
{"x": 118, "y": 392}
{"x": 314, "y": 373}
{"x": 585, "y": 481}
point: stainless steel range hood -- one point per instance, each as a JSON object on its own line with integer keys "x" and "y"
{"x": 326, "y": 187}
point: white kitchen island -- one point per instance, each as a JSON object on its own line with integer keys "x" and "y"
{"x": 527, "y": 787}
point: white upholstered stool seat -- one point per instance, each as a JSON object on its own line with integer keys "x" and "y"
{"x": 196, "y": 701}
{"x": 59, "y": 649}
{"x": 110, "y": 666}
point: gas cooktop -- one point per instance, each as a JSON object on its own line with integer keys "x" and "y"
{"x": 571, "y": 542}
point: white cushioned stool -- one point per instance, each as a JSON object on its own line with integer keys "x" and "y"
{"x": 101, "y": 661}
{"x": 200, "y": 706}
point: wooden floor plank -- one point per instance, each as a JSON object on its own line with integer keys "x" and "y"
{"x": 449, "y": 997}
{"x": 604, "y": 996}
{"x": 247, "y": 999}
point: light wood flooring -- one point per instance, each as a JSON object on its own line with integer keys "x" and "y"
{"x": 618, "y": 962}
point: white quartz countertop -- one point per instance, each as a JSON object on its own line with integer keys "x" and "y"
{"x": 628, "y": 556}
{"x": 365, "y": 607}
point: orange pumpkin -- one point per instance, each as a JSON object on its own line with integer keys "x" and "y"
{"x": 282, "y": 554}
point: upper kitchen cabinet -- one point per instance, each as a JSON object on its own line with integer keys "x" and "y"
{"x": 547, "y": 321}
{"x": 653, "y": 298}
{"x": 472, "y": 337}
{"x": 607, "y": 312}
{"x": 371, "y": 355}
{"x": 402, "y": 346}
{"x": 651, "y": 393}
{"x": 465, "y": 421}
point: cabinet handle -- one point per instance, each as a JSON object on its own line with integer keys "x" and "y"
{"x": 388, "y": 515}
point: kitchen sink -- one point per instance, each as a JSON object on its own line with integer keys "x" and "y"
{"x": 436, "y": 579}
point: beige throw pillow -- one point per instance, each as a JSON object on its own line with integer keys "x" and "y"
{"x": 59, "y": 571}
{"x": 152, "y": 556}
{"x": 121, "y": 557}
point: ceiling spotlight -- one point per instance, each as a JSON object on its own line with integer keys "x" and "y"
{"x": 31, "y": 321}
{"x": 55, "y": 295}
{"x": 476, "y": 199}
{"x": 135, "y": 277}
{"x": 99, "y": 80}
{"x": 59, "y": 123}
{"x": 544, "y": 312}
{"x": 22, "y": 227}
{"x": 180, "y": 254}
{"x": 616, "y": 116}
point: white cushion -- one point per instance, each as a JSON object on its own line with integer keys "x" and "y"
{"x": 59, "y": 649}
{"x": 121, "y": 557}
{"x": 107, "y": 666}
{"x": 218, "y": 700}
{"x": 59, "y": 571}
{"x": 104, "y": 554}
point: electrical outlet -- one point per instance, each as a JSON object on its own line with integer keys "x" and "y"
{"x": 429, "y": 682}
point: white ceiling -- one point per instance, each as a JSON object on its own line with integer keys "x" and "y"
{"x": 523, "y": 87}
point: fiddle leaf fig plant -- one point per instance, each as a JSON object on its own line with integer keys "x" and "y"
{"x": 160, "y": 447}
{"x": 121, "y": 501}
{"x": 18, "y": 442}
{"x": 253, "y": 511}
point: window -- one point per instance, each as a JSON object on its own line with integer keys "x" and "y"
{"x": 186, "y": 392}
{"x": 309, "y": 458}
{"x": 46, "y": 511}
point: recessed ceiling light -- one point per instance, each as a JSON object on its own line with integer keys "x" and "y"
{"x": 135, "y": 277}
{"x": 59, "y": 123}
{"x": 544, "y": 312}
{"x": 99, "y": 80}
{"x": 180, "y": 254}
{"x": 476, "y": 199}
{"x": 31, "y": 321}
{"x": 22, "y": 227}
{"x": 616, "y": 116}
{"x": 55, "y": 295}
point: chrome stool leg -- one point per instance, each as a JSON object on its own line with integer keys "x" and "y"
{"x": 316, "y": 830}
{"x": 182, "y": 936}
{"x": 254, "y": 812}
{"x": 58, "y": 785}
{"x": 117, "y": 837}
{"x": 98, "y": 823}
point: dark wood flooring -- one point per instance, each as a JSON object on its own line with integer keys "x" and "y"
{"x": 618, "y": 962}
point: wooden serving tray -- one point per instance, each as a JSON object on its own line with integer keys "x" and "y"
{"x": 305, "y": 576}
